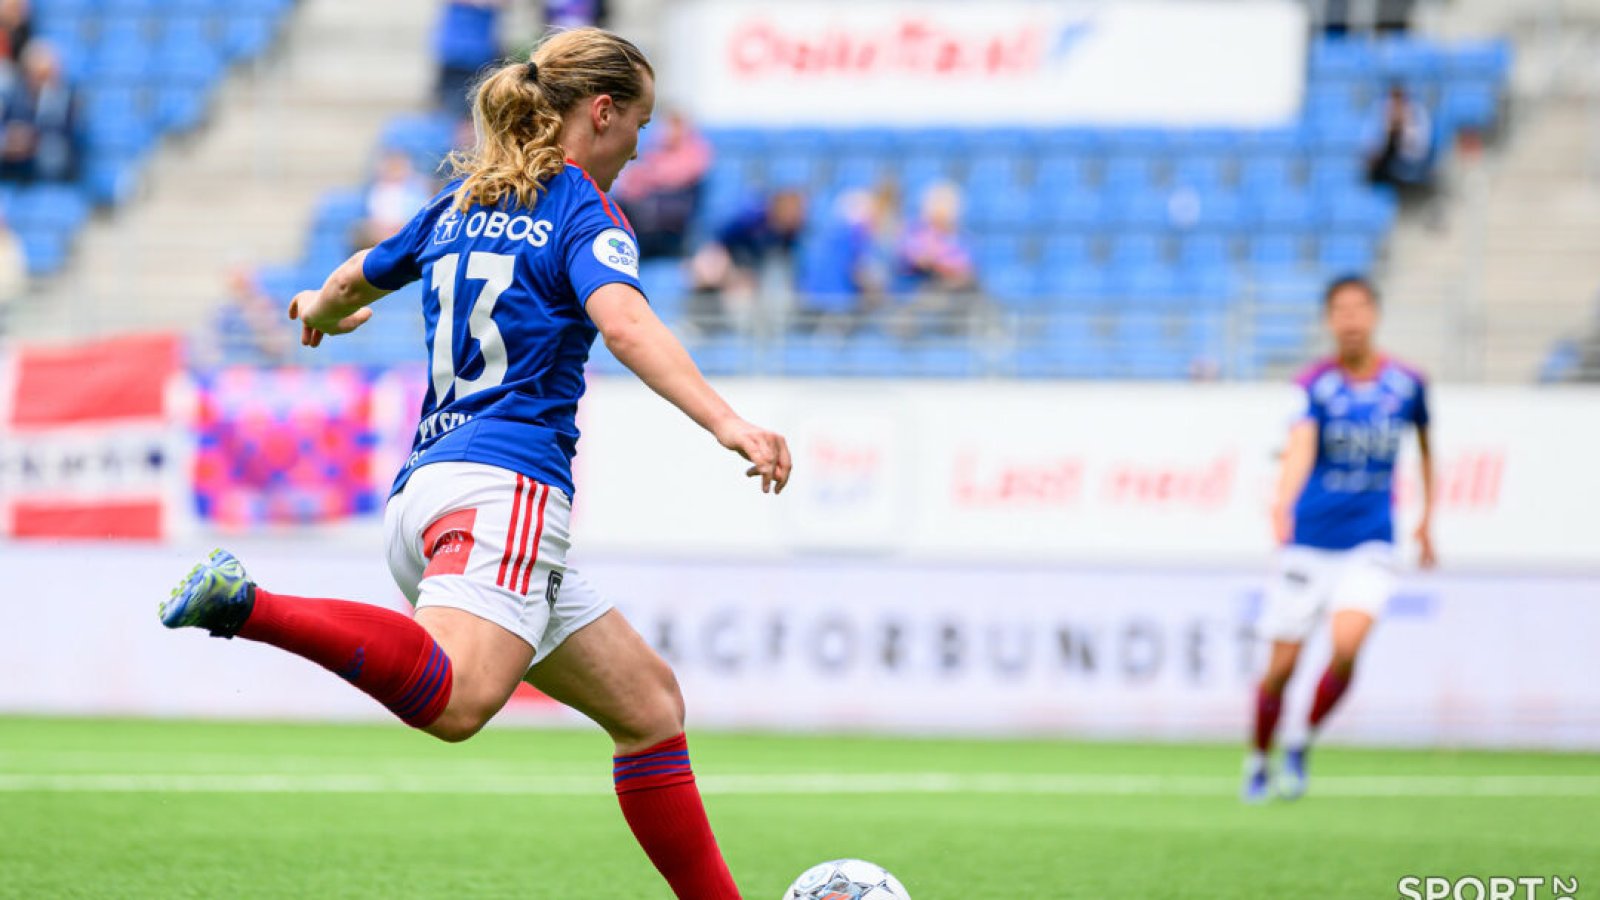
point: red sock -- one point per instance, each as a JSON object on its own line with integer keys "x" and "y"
{"x": 1329, "y": 690}
{"x": 662, "y": 805}
{"x": 387, "y": 655}
{"x": 1268, "y": 707}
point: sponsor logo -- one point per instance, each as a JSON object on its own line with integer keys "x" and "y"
{"x": 615, "y": 249}
{"x": 448, "y": 227}
{"x": 1498, "y": 887}
{"x": 552, "y": 589}
{"x": 536, "y": 232}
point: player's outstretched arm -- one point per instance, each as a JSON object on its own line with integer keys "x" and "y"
{"x": 340, "y": 307}
{"x": 1424, "y": 533}
{"x": 638, "y": 338}
{"x": 1298, "y": 459}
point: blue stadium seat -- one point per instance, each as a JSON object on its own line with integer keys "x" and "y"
{"x": 1363, "y": 210}
{"x": 1469, "y": 105}
{"x": 1203, "y": 173}
{"x": 247, "y": 35}
{"x": 50, "y": 207}
{"x": 999, "y": 250}
{"x": 874, "y": 354}
{"x": 1285, "y": 210}
{"x": 123, "y": 62}
{"x": 1264, "y": 175}
{"x": 1154, "y": 286}
{"x": 942, "y": 358}
{"x": 1074, "y": 284}
{"x": 1340, "y": 57}
{"x": 44, "y": 250}
{"x": 1279, "y": 250}
{"x": 1014, "y": 286}
{"x": 1335, "y": 172}
{"x": 1074, "y": 248}
{"x": 1148, "y": 208}
{"x": 855, "y": 171}
{"x": 990, "y": 167}
{"x": 1343, "y": 253}
{"x": 1335, "y": 97}
{"x": 1004, "y": 207}
{"x": 1338, "y": 133}
{"x": 1072, "y": 209}
{"x": 1128, "y": 173}
{"x": 1138, "y": 249}
{"x": 1222, "y": 210}
{"x": 793, "y": 169}
{"x": 1408, "y": 59}
{"x": 1079, "y": 142}
{"x": 1062, "y": 172}
{"x": 1204, "y": 251}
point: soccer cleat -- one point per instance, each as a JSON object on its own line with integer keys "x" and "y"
{"x": 1257, "y": 782}
{"x": 216, "y": 595}
{"x": 1292, "y": 781}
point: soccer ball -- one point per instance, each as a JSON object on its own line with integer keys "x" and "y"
{"x": 846, "y": 879}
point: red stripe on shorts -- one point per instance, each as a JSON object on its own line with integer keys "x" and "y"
{"x": 511, "y": 535}
{"x": 522, "y": 552}
{"x": 538, "y": 533}
{"x": 447, "y": 543}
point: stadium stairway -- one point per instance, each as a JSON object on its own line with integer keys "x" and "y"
{"x": 243, "y": 188}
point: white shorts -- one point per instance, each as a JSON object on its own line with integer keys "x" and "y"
{"x": 1307, "y": 582}
{"x": 491, "y": 542}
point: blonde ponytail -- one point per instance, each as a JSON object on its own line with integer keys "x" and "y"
{"x": 518, "y": 110}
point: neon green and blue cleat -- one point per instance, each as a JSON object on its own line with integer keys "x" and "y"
{"x": 216, "y": 595}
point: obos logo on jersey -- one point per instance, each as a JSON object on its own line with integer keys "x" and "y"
{"x": 615, "y": 248}
{"x": 448, "y": 226}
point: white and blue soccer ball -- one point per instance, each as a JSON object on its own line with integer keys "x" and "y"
{"x": 846, "y": 879}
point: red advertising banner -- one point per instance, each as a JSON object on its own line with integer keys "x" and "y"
{"x": 89, "y": 439}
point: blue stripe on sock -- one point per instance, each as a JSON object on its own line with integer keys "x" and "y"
{"x": 426, "y": 688}
{"x": 664, "y": 770}
{"x": 622, "y": 761}
{"x": 415, "y": 696}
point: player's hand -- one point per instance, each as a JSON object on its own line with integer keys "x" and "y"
{"x": 315, "y": 325}
{"x": 1282, "y": 523}
{"x": 767, "y": 452}
{"x": 1426, "y": 557}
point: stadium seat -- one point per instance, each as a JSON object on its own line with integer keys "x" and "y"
{"x": 1062, "y": 172}
{"x": 1277, "y": 250}
{"x": 1344, "y": 253}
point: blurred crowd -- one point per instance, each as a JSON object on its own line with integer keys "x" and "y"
{"x": 40, "y": 132}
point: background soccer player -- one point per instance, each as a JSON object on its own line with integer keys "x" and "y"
{"x": 525, "y": 260}
{"x": 1334, "y": 517}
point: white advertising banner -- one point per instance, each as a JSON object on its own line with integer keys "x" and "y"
{"x": 1143, "y": 62}
{"x": 1129, "y": 474}
{"x": 857, "y": 646}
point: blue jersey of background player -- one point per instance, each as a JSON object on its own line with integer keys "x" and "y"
{"x": 1348, "y": 498}
{"x": 507, "y": 331}
{"x": 1334, "y": 517}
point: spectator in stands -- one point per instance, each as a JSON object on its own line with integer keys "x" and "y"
{"x": 660, "y": 191}
{"x": 844, "y": 271}
{"x": 248, "y": 327}
{"x": 42, "y": 140}
{"x": 1400, "y": 143}
{"x": 935, "y": 266}
{"x": 397, "y": 191}
{"x": 13, "y": 273}
{"x": 744, "y": 278}
{"x": 16, "y": 29}
{"x": 465, "y": 41}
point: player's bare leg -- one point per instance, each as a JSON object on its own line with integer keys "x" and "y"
{"x": 1350, "y": 629}
{"x": 488, "y": 663}
{"x": 607, "y": 672}
{"x": 1281, "y": 663}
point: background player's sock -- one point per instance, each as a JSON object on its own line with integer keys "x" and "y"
{"x": 387, "y": 655}
{"x": 1269, "y": 705}
{"x": 662, "y": 805}
{"x": 1329, "y": 690}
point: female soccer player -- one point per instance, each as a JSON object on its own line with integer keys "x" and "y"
{"x": 1334, "y": 516}
{"x": 525, "y": 259}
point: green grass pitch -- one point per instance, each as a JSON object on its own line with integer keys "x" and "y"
{"x": 92, "y": 808}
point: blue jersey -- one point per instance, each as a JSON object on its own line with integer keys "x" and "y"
{"x": 1349, "y": 498}
{"x": 507, "y": 331}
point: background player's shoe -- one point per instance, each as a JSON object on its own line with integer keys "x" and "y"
{"x": 1292, "y": 780}
{"x": 1257, "y": 780}
{"x": 216, "y": 595}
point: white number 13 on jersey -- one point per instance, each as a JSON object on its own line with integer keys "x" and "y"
{"x": 496, "y": 271}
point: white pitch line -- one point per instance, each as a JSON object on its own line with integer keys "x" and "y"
{"x": 802, "y": 784}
